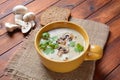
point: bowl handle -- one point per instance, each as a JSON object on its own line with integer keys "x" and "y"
{"x": 94, "y": 52}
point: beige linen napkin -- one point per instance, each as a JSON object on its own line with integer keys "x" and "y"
{"x": 26, "y": 64}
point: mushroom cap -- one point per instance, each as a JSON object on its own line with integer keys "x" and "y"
{"x": 20, "y": 9}
{"x": 63, "y": 48}
{"x": 29, "y": 16}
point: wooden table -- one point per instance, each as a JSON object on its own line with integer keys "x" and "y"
{"x": 105, "y": 11}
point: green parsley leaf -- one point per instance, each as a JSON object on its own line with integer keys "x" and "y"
{"x": 53, "y": 45}
{"x": 54, "y": 38}
{"x": 79, "y": 48}
{"x": 43, "y": 44}
{"x": 45, "y": 35}
{"x": 49, "y": 50}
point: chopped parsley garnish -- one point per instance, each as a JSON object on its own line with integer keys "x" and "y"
{"x": 53, "y": 45}
{"x": 79, "y": 48}
{"x": 49, "y": 50}
{"x": 45, "y": 35}
{"x": 54, "y": 38}
{"x": 48, "y": 44}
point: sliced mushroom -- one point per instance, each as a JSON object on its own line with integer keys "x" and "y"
{"x": 61, "y": 41}
{"x": 20, "y": 9}
{"x": 29, "y": 16}
{"x": 68, "y": 36}
{"x": 11, "y": 27}
{"x": 63, "y": 48}
{"x": 26, "y": 26}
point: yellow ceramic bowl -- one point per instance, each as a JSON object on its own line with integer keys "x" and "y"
{"x": 92, "y": 52}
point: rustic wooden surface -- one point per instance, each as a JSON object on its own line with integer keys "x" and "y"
{"x": 105, "y": 11}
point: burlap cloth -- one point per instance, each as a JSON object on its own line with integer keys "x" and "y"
{"x": 26, "y": 64}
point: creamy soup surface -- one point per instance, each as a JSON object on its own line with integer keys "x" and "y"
{"x": 69, "y": 44}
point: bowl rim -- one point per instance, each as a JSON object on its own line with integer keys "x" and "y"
{"x": 57, "y": 61}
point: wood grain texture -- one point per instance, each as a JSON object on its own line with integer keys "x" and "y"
{"x": 109, "y": 61}
{"x": 70, "y": 4}
{"x": 114, "y": 75}
{"x": 39, "y": 5}
{"x": 8, "y": 5}
{"x": 8, "y": 42}
{"x": 107, "y": 12}
{"x": 88, "y": 7}
{"x": 1, "y": 2}
{"x": 114, "y": 29}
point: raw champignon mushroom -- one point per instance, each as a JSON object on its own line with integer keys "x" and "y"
{"x": 11, "y": 27}
{"x": 33, "y": 23}
{"x": 18, "y": 17}
{"x": 29, "y": 16}
{"x": 20, "y": 9}
{"x": 26, "y": 26}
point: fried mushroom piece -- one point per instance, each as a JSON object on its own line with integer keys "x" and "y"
{"x": 61, "y": 41}
{"x": 62, "y": 50}
{"x": 67, "y": 36}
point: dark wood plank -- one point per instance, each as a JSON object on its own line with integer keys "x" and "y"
{"x": 107, "y": 12}
{"x": 114, "y": 30}
{"x": 39, "y": 5}
{"x": 1, "y": 2}
{"x": 10, "y": 42}
{"x": 113, "y": 19}
{"x": 8, "y": 5}
{"x": 70, "y": 4}
{"x": 88, "y": 7}
{"x": 109, "y": 61}
{"x": 115, "y": 75}
{"x": 7, "y": 42}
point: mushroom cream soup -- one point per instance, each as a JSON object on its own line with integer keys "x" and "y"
{"x": 62, "y": 44}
